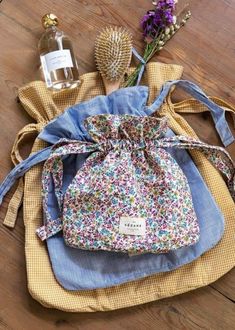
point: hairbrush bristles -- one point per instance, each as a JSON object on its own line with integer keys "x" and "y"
{"x": 113, "y": 50}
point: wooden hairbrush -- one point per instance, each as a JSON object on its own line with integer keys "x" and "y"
{"x": 113, "y": 51}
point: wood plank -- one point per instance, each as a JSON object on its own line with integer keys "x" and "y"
{"x": 226, "y": 285}
{"x": 194, "y": 310}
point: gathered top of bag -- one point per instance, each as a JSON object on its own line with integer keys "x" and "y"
{"x": 120, "y": 129}
{"x": 70, "y": 124}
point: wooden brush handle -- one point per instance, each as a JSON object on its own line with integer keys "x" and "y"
{"x": 111, "y": 86}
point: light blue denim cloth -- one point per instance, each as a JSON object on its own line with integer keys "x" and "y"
{"x": 83, "y": 270}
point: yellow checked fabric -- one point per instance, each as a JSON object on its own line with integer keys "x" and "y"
{"x": 43, "y": 106}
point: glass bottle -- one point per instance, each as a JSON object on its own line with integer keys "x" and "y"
{"x": 58, "y": 62}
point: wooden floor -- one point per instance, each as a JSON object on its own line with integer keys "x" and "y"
{"x": 206, "y": 49}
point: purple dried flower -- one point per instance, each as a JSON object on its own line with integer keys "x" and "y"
{"x": 168, "y": 16}
{"x": 161, "y": 17}
{"x": 162, "y": 4}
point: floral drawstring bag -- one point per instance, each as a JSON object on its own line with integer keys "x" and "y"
{"x": 130, "y": 195}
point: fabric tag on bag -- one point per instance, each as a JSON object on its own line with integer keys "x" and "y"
{"x": 132, "y": 226}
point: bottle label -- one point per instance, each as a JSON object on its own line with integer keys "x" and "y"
{"x": 132, "y": 226}
{"x": 58, "y": 59}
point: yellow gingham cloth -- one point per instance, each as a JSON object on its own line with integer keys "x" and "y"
{"x": 43, "y": 106}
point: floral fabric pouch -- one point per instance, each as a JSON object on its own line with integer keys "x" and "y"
{"x": 130, "y": 195}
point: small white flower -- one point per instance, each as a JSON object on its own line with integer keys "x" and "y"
{"x": 174, "y": 19}
{"x": 167, "y": 30}
{"x": 176, "y": 1}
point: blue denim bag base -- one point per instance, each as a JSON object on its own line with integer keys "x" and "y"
{"x": 83, "y": 270}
